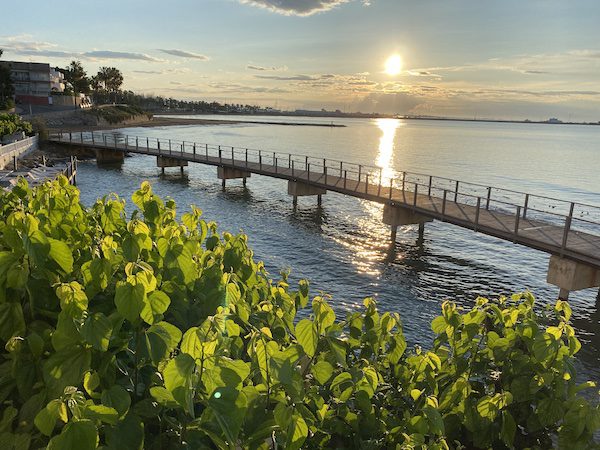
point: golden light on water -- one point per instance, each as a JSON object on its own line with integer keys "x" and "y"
{"x": 389, "y": 128}
{"x": 393, "y": 65}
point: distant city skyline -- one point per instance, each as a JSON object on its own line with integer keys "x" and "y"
{"x": 505, "y": 60}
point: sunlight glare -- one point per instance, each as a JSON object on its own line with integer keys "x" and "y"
{"x": 393, "y": 65}
{"x": 388, "y": 129}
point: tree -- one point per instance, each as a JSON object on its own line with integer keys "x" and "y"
{"x": 6, "y": 86}
{"x": 110, "y": 78}
{"x": 77, "y": 77}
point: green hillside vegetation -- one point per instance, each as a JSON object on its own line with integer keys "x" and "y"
{"x": 145, "y": 331}
{"x": 118, "y": 113}
{"x": 12, "y": 123}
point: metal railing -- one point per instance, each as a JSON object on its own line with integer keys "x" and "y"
{"x": 527, "y": 210}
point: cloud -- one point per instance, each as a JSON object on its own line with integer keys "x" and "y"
{"x": 290, "y": 78}
{"x": 298, "y": 7}
{"x": 148, "y": 72}
{"x": 236, "y": 88}
{"x": 184, "y": 54}
{"x": 266, "y": 69}
{"x": 108, "y": 54}
{"x": 20, "y": 46}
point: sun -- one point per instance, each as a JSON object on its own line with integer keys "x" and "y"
{"x": 393, "y": 65}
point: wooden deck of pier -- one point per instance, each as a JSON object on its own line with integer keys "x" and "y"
{"x": 481, "y": 213}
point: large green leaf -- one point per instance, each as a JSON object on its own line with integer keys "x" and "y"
{"x": 118, "y": 398}
{"x": 322, "y": 371}
{"x": 128, "y": 434}
{"x": 97, "y": 330}
{"x": 229, "y": 407}
{"x": 12, "y": 322}
{"x": 79, "y": 435}
{"x": 61, "y": 254}
{"x": 296, "y": 433}
{"x": 154, "y": 306}
{"x": 307, "y": 335}
{"x": 66, "y": 368}
{"x": 161, "y": 340}
{"x": 179, "y": 379}
{"x": 130, "y": 299}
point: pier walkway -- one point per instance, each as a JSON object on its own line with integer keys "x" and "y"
{"x": 568, "y": 231}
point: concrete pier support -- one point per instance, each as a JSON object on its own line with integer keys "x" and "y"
{"x": 108, "y": 156}
{"x": 165, "y": 161}
{"x": 396, "y": 216}
{"x": 299, "y": 189}
{"x": 569, "y": 275}
{"x": 227, "y": 173}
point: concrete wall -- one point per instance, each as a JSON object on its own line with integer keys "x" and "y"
{"x": 18, "y": 149}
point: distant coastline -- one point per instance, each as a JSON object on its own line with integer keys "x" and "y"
{"x": 341, "y": 115}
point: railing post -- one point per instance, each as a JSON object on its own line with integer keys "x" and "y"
{"x": 93, "y": 142}
{"x": 489, "y": 196}
{"x": 206, "y": 146}
{"x": 391, "y": 187}
{"x": 477, "y": 213}
{"x": 147, "y": 145}
{"x": 289, "y": 160}
{"x": 115, "y": 139}
{"x": 137, "y": 143}
{"x": 194, "y": 150}
{"x": 567, "y": 228}
{"x": 367, "y": 184}
{"x": 444, "y": 203}
{"x": 403, "y": 181}
{"x": 308, "y": 171}
{"x": 359, "y": 172}
{"x": 525, "y": 206}
{"x": 158, "y": 145}
{"x": 429, "y": 189}
{"x": 104, "y": 139}
{"x": 325, "y": 173}
{"x": 345, "y": 178}
{"x": 341, "y": 167}
{"x": 292, "y": 163}
{"x": 260, "y": 159}
{"x": 275, "y": 164}
{"x": 182, "y": 146}
{"x": 70, "y": 137}
{"x": 415, "y": 196}
{"x": 169, "y": 146}
{"x": 81, "y": 136}
{"x": 232, "y": 155}
{"x": 306, "y": 163}
{"x": 246, "y": 158}
{"x": 456, "y": 192}
{"x": 517, "y": 220}
{"x": 126, "y": 141}
{"x": 220, "y": 154}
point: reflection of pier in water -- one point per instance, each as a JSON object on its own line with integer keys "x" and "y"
{"x": 568, "y": 231}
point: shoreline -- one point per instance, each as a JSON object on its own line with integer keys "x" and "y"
{"x": 171, "y": 121}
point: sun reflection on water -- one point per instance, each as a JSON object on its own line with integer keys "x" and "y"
{"x": 387, "y": 140}
{"x": 371, "y": 245}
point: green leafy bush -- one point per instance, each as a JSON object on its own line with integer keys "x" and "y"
{"x": 12, "y": 123}
{"x": 149, "y": 332}
{"x": 119, "y": 113}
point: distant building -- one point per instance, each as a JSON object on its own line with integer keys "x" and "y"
{"x": 57, "y": 80}
{"x": 553, "y": 120}
{"x": 31, "y": 82}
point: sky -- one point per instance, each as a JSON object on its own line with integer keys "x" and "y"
{"x": 510, "y": 59}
